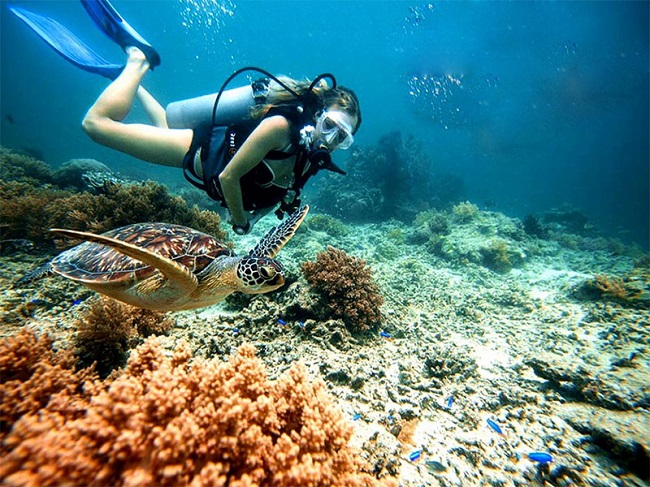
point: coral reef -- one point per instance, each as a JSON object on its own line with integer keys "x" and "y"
{"x": 169, "y": 421}
{"x": 632, "y": 290}
{"x": 533, "y": 227}
{"x": 327, "y": 224}
{"x": 346, "y": 289}
{"x": 465, "y": 211}
{"x": 28, "y": 212}
{"x": 109, "y": 329}
{"x": 23, "y": 168}
{"x": 394, "y": 178}
{"x": 497, "y": 257}
{"x": 467, "y": 235}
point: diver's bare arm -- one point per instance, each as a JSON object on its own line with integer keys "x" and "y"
{"x": 271, "y": 134}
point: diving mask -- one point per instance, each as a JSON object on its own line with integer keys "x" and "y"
{"x": 333, "y": 128}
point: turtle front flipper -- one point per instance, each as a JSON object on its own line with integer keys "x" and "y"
{"x": 180, "y": 279}
{"x": 278, "y": 236}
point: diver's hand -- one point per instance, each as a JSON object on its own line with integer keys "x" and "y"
{"x": 252, "y": 219}
{"x": 236, "y": 227}
{"x": 239, "y": 230}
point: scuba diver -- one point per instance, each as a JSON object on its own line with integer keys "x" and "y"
{"x": 251, "y": 148}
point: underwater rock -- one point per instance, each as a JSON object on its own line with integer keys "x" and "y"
{"x": 570, "y": 220}
{"x": 579, "y": 384}
{"x": 534, "y": 228}
{"x": 82, "y": 174}
{"x": 444, "y": 362}
{"x": 623, "y": 436}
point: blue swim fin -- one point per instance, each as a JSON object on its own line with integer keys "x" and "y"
{"x": 66, "y": 44}
{"x": 117, "y": 29}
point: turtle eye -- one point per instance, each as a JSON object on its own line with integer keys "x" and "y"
{"x": 268, "y": 271}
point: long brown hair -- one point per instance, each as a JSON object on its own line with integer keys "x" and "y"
{"x": 343, "y": 97}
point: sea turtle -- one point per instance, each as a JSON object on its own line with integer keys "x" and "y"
{"x": 171, "y": 267}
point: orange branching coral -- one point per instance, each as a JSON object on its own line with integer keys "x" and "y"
{"x": 31, "y": 373}
{"x": 169, "y": 421}
{"x": 346, "y": 285}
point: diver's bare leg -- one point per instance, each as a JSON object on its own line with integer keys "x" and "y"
{"x": 155, "y": 110}
{"x": 103, "y": 122}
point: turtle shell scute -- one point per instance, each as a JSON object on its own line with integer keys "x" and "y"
{"x": 99, "y": 263}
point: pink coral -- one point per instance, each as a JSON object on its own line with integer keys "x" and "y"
{"x": 168, "y": 420}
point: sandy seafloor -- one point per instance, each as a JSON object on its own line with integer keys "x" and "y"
{"x": 559, "y": 374}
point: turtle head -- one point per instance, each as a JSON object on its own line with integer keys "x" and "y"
{"x": 259, "y": 275}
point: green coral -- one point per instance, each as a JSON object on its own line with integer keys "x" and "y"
{"x": 325, "y": 223}
{"x": 497, "y": 257}
{"x": 465, "y": 212}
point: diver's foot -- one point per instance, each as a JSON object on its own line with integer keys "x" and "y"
{"x": 116, "y": 28}
{"x": 136, "y": 57}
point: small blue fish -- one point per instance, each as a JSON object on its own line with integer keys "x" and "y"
{"x": 235, "y": 330}
{"x": 77, "y": 301}
{"x": 301, "y": 324}
{"x": 384, "y": 334}
{"x": 450, "y": 402}
{"x": 540, "y": 457}
{"x": 356, "y": 417}
{"x": 495, "y": 427}
{"x": 415, "y": 456}
{"x": 282, "y": 322}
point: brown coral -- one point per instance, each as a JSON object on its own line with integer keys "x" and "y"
{"x": 29, "y": 208}
{"x": 169, "y": 421}
{"x": 107, "y": 331}
{"x": 347, "y": 288}
{"x": 632, "y": 289}
{"x": 25, "y": 211}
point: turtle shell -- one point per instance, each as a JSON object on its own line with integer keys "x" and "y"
{"x": 92, "y": 262}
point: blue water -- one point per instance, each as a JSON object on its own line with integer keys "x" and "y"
{"x": 532, "y": 104}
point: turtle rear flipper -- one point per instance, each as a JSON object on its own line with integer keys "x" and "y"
{"x": 278, "y": 236}
{"x": 179, "y": 279}
{"x": 34, "y": 275}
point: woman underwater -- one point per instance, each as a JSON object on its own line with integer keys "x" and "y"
{"x": 252, "y": 149}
